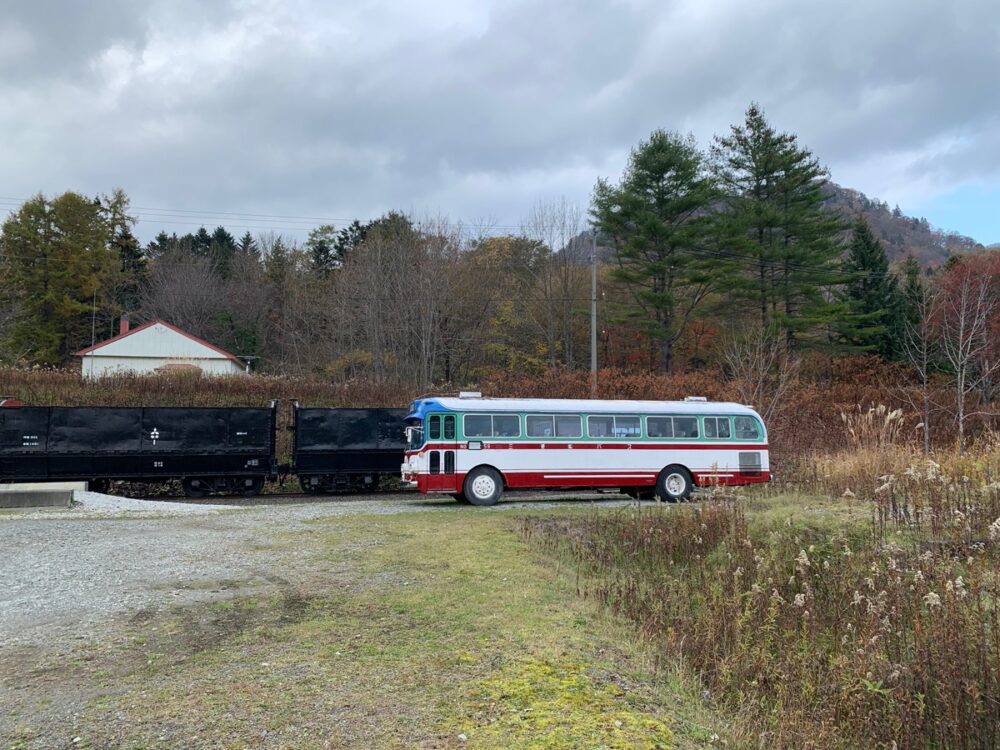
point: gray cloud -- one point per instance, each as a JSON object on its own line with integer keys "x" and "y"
{"x": 305, "y": 108}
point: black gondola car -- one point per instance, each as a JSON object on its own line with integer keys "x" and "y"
{"x": 346, "y": 449}
{"x": 208, "y": 449}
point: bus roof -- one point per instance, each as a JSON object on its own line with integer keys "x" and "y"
{"x": 570, "y": 405}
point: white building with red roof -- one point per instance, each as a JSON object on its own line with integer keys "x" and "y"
{"x": 157, "y": 346}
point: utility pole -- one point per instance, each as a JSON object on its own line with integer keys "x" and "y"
{"x": 593, "y": 314}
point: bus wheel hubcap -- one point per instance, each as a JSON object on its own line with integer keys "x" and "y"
{"x": 483, "y": 486}
{"x": 675, "y": 484}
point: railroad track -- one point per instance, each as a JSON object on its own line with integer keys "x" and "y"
{"x": 278, "y": 498}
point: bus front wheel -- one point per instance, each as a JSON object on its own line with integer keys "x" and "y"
{"x": 674, "y": 484}
{"x": 483, "y": 486}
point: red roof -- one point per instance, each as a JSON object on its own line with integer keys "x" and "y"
{"x": 174, "y": 328}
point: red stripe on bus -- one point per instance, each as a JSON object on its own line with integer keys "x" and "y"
{"x": 577, "y": 480}
{"x": 594, "y": 446}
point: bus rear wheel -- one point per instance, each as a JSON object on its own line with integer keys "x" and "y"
{"x": 674, "y": 485}
{"x": 483, "y": 486}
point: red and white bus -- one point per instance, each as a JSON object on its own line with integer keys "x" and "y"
{"x": 474, "y": 448}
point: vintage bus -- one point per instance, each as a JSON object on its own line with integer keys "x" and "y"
{"x": 474, "y": 448}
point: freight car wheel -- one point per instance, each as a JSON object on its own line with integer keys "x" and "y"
{"x": 309, "y": 488}
{"x": 249, "y": 486}
{"x": 195, "y": 487}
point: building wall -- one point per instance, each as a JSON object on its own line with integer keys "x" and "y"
{"x": 95, "y": 366}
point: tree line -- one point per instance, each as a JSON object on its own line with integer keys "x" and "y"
{"x": 696, "y": 249}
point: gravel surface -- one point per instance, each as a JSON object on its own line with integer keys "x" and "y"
{"x": 66, "y": 572}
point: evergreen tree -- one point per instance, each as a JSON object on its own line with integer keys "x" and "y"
{"x": 126, "y": 284}
{"x": 350, "y": 238}
{"x": 874, "y": 297}
{"x": 655, "y": 221}
{"x": 221, "y": 251}
{"x": 914, "y": 290}
{"x": 247, "y": 246}
{"x": 322, "y": 248}
{"x": 201, "y": 243}
{"x": 775, "y": 224}
{"x": 56, "y": 261}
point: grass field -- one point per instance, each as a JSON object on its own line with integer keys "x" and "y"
{"x": 438, "y": 630}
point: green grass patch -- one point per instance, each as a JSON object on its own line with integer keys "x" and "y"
{"x": 435, "y": 630}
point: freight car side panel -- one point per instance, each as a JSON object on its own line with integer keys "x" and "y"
{"x": 121, "y": 443}
{"x": 348, "y": 441}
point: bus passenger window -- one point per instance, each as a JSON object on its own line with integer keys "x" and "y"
{"x": 722, "y": 423}
{"x": 506, "y": 425}
{"x": 685, "y": 427}
{"x": 746, "y": 428}
{"x": 449, "y": 427}
{"x": 600, "y": 426}
{"x": 627, "y": 427}
{"x": 568, "y": 426}
{"x": 538, "y": 426}
{"x": 434, "y": 433}
{"x": 659, "y": 427}
{"x": 478, "y": 425}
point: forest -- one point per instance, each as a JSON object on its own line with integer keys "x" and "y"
{"x": 721, "y": 260}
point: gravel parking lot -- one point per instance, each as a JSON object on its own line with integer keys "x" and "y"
{"x": 67, "y": 572}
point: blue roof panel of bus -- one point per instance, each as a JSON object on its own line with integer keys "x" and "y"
{"x": 421, "y": 407}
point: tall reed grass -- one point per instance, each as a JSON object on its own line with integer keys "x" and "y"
{"x": 879, "y": 633}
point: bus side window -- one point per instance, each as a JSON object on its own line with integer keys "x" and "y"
{"x": 506, "y": 425}
{"x": 626, "y": 427}
{"x": 478, "y": 425}
{"x": 568, "y": 426}
{"x": 709, "y": 427}
{"x": 600, "y": 426}
{"x": 659, "y": 427}
{"x": 537, "y": 426}
{"x": 449, "y": 462}
{"x": 434, "y": 431}
{"x": 685, "y": 427}
{"x": 746, "y": 428}
{"x": 449, "y": 427}
{"x": 435, "y": 462}
{"x": 722, "y": 425}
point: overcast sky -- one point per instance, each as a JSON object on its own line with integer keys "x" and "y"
{"x": 478, "y": 110}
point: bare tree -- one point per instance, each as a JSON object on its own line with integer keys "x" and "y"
{"x": 559, "y": 282}
{"x": 185, "y": 290}
{"x": 762, "y": 371}
{"x": 919, "y": 345}
{"x": 964, "y": 314}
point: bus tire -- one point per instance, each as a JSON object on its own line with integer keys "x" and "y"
{"x": 674, "y": 485}
{"x": 483, "y": 486}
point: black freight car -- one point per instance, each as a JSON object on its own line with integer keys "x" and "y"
{"x": 208, "y": 449}
{"x": 346, "y": 449}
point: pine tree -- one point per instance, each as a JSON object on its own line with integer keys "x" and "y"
{"x": 56, "y": 260}
{"x": 775, "y": 225}
{"x": 201, "y": 243}
{"x": 221, "y": 251}
{"x": 654, "y": 219}
{"x": 247, "y": 246}
{"x": 874, "y": 296}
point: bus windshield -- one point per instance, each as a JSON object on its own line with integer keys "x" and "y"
{"x": 415, "y": 435}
